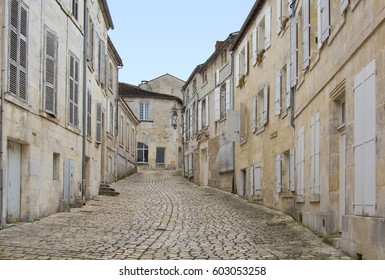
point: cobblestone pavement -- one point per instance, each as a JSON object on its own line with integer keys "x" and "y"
{"x": 159, "y": 215}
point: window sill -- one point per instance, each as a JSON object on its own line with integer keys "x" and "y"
{"x": 74, "y": 129}
{"x": 49, "y": 117}
{"x": 300, "y": 199}
{"x": 314, "y": 198}
{"x": 204, "y": 84}
{"x": 110, "y": 135}
{"x": 341, "y": 127}
{"x": 146, "y": 121}
{"x": 89, "y": 139}
{"x": 259, "y": 130}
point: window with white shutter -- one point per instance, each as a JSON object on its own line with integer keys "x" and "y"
{"x": 75, "y": 8}
{"x": 365, "y": 140}
{"x": 98, "y": 122}
{"x": 323, "y": 21}
{"x": 293, "y": 52}
{"x": 254, "y": 114}
{"x": 265, "y": 112}
{"x": 50, "y": 73}
{"x": 315, "y": 153}
{"x": 102, "y": 63}
{"x": 90, "y": 43}
{"x": 291, "y": 170}
{"x": 277, "y": 102}
{"x": 73, "y": 91}
{"x": 288, "y": 86}
{"x": 268, "y": 28}
{"x": 278, "y": 173}
{"x": 89, "y": 115}
{"x": 305, "y": 34}
{"x": 227, "y": 97}
{"x": 18, "y": 46}
{"x": 257, "y": 180}
{"x": 111, "y": 118}
{"x": 252, "y": 181}
{"x": 206, "y": 112}
{"x": 301, "y": 161}
{"x": 217, "y": 103}
{"x": 254, "y": 42}
{"x": 199, "y": 115}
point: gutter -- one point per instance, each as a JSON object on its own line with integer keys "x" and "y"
{"x": 3, "y": 91}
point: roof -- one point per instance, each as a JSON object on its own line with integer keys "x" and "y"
{"x": 106, "y": 14}
{"x": 253, "y": 13}
{"x": 127, "y": 90}
{"x": 167, "y": 74}
{"x": 114, "y": 51}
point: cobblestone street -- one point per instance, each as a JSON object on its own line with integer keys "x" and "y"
{"x": 159, "y": 215}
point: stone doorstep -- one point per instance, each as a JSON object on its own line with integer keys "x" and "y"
{"x": 107, "y": 190}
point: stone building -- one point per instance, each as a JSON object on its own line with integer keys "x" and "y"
{"x": 54, "y": 104}
{"x": 208, "y": 153}
{"x": 167, "y": 84}
{"x": 305, "y": 70}
{"x": 159, "y": 134}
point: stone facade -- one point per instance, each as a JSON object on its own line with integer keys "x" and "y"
{"x": 311, "y": 146}
{"x": 207, "y": 150}
{"x": 159, "y": 134}
{"x": 166, "y": 84}
{"x": 55, "y": 105}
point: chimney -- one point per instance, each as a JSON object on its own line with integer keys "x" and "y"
{"x": 218, "y": 44}
{"x": 144, "y": 85}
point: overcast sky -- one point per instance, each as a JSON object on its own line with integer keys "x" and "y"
{"x": 154, "y": 37}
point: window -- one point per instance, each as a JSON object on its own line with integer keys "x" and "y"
{"x": 260, "y": 108}
{"x": 74, "y": 91}
{"x": 243, "y": 122}
{"x": 109, "y": 164}
{"x": 365, "y": 140}
{"x": 222, "y": 100}
{"x": 282, "y": 91}
{"x": 305, "y": 34}
{"x": 90, "y": 43}
{"x": 102, "y": 63}
{"x": 50, "y": 73}
{"x": 315, "y": 154}
{"x": 203, "y": 113}
{"x": 111, "y": 77}
{"x": 323, "y": 13}
{"x": 18, "y": 45}
{"x": 132, "y": 139}
{"x": 286, "y": 174}
{"x": 204, "y": 76}
{"x": 121, "y": 130}
{"x": 144, "y": 111}
{"x": 111, "y": 118}
{"x": 142, "y": 153}
{"x": 160, "y": 155}
{"x": 283, "y": 14}
{"x": 293, "y": 52}
{"x": 263, "y": 31}
{"x": 75, "y": 8}
{"x": 89, "y": 106}
{"x": 255, "y": 180}
{"x": 98, "y": 123}
{"x": 128, "y": 136}
{"x": 224, "y": 57}
{"x": 194, "y": 85}
{"x": 301, "y": 161}
{"x": 56, "y": 166}
{"x": 241, "y": 66}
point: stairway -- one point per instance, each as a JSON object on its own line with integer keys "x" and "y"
{"x": 105, "y": 189}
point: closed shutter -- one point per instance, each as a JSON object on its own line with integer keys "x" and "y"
{"x": 190, "y": 111}
{"x": 257, "y": 180}
{"x": 217, "y": 105}
{"x": 268, "y": 28}
{"x": 305, "y": 34}
{"x": 98, "y": 122}
{"x": 288, "y": 87}
{"x": 217, "y": 78}
{"x": 206, "y": 124}
{"x": 365, "y": 140}
{"x": 279, "y": 16}
{"x": 228, "y": 103}
{"x": 102, "y": 64}
{"x": 74, "y": 92}
{"x": 237, "y": 64}
{"x": 50, "y": 72}
{"x": 290, "y": 7}
{"x": 314, "y": 153}
{"x": 300, "y": 160}
{"x": 323, "y": 21}
{"x": 89, "y": 104}
{"x": 265, "y": 113}
{"x": 186, "y": 165}
{"x": 277, "y": 102}
{"x": 141, "y": 105}
{"x": 252, "y": 180}
{"x": 254, "y": 114}
{"x": 254, "y": 45}
{"x": 291, "y": 170}
{"x": 344, "y": 5}
{"x": 278, "y": 175}
{"x": 246, "y": 65}
{"x": 199, "y": 115}
{"x": 293, "y": 52}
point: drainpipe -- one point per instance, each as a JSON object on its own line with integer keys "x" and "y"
{"x": 233, "y": 106}
{"x": 117, "y": 125}
{"x": 84, "y": 102}
{"x": 182, "y": 118}
{"x": 292, "y": 107}
{"x": 3, "y": 91}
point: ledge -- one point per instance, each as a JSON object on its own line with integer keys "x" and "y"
{"x": 300, "y": 199}
{"x": 314, "y": 198}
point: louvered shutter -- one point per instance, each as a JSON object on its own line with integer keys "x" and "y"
{"x": 89, "y": 104}
{"x": 102, "y": 64}
{"x": 293, "y": 52}
{"x": 265, "y": 113}
{"x": 305, "y": 34}
{"x": 190, "y": 111}
{"x": 228, "y": 103}
{"x": 277, "y": 102}
{"x": 50, "y": 70}
{"x": 291, "y": 170}
{"x": 344, "y": 5}
{"x": 98, "y": 122}
{"x": 257, "y": 180}
{"x": 76, "y": 94}
{"x": 199, "y": 115}
{"x": 254, "y": 114}
{"x": 254, "y": 46}
{"x": 251, "y": 180}
{"x": 23, "y": 53}
{"x": 206, "y": 124}
{"x": 268, "y": 28}
{"x": 278, "y": 175}
{"x": 279, "y": 16}
{"x": 237, "y": 64}
{"x": 288, "y": 87}
{"x": 217, "y": 105}
{"x": 246, "y": 58}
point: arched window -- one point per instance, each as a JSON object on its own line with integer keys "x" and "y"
{"x": 142, "y": 153}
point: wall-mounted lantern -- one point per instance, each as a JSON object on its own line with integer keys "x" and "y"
{"x": 174, "y": 116}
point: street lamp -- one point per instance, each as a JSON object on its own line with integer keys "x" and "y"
{"x": 174, "y": 116}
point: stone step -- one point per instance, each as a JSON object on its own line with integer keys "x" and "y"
{"x": 107, "y": 190}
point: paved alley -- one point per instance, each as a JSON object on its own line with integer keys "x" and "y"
{"x": 159, "y": 215}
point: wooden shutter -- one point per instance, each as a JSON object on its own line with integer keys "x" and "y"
{"x": 268, "y": 28}
{"x": 50, "y": 73}
{"x": 254, "y": 45}
{"x": 102, "y": 64}
{"x": 76, "y": 94}
{"x": 23, "y": 48}
{"x": 365, "y": 140}
{"x": 344, "y": 5}
{"x": 98, "y": 122}
{"x": 89, "y": 104}
{"x": 293, "y": 52}
{"x": 237, "y": 64}
{"x": 206, "y": 124}
{"x": 300, "y": 160}
{"x": 265, "y": 113}
{"x": 291, "y": 170}
{"x": 277, "y": 102}
{"x": 279, "y": 16}
{"x": 257, "y": 180}
{"x": 246, "y": 58}
{"x": 217, "y": 78}
{"x": 254, "y": 114}
{"x": 305, "y": 34}
{"x": 199, "y": 115}
{"x": 315, "y": 153}
{"x": 217, "y": 105}
{"x": 252, "y": 180}
{"x": 228, "y": 103}
{"x": 323, "y": 21}
{"x": 288, "y": 87}
{"x": 278, "y": 173}
{"x": 141, "y": 105}
{"x": 190, "y": 111}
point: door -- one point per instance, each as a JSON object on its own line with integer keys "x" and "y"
{"x": 205, "y": 169}
{"x": 68, "y": 180}
{"x": 342, "y": 166}
{"x": 13, "y": 184}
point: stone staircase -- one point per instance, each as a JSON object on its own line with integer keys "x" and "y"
{"x": 105, "y": 189}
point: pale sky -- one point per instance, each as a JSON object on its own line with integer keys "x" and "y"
{"x": 154, "y": 37}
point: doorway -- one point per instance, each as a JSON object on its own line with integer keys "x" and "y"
{"x": 13, "y": 182}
